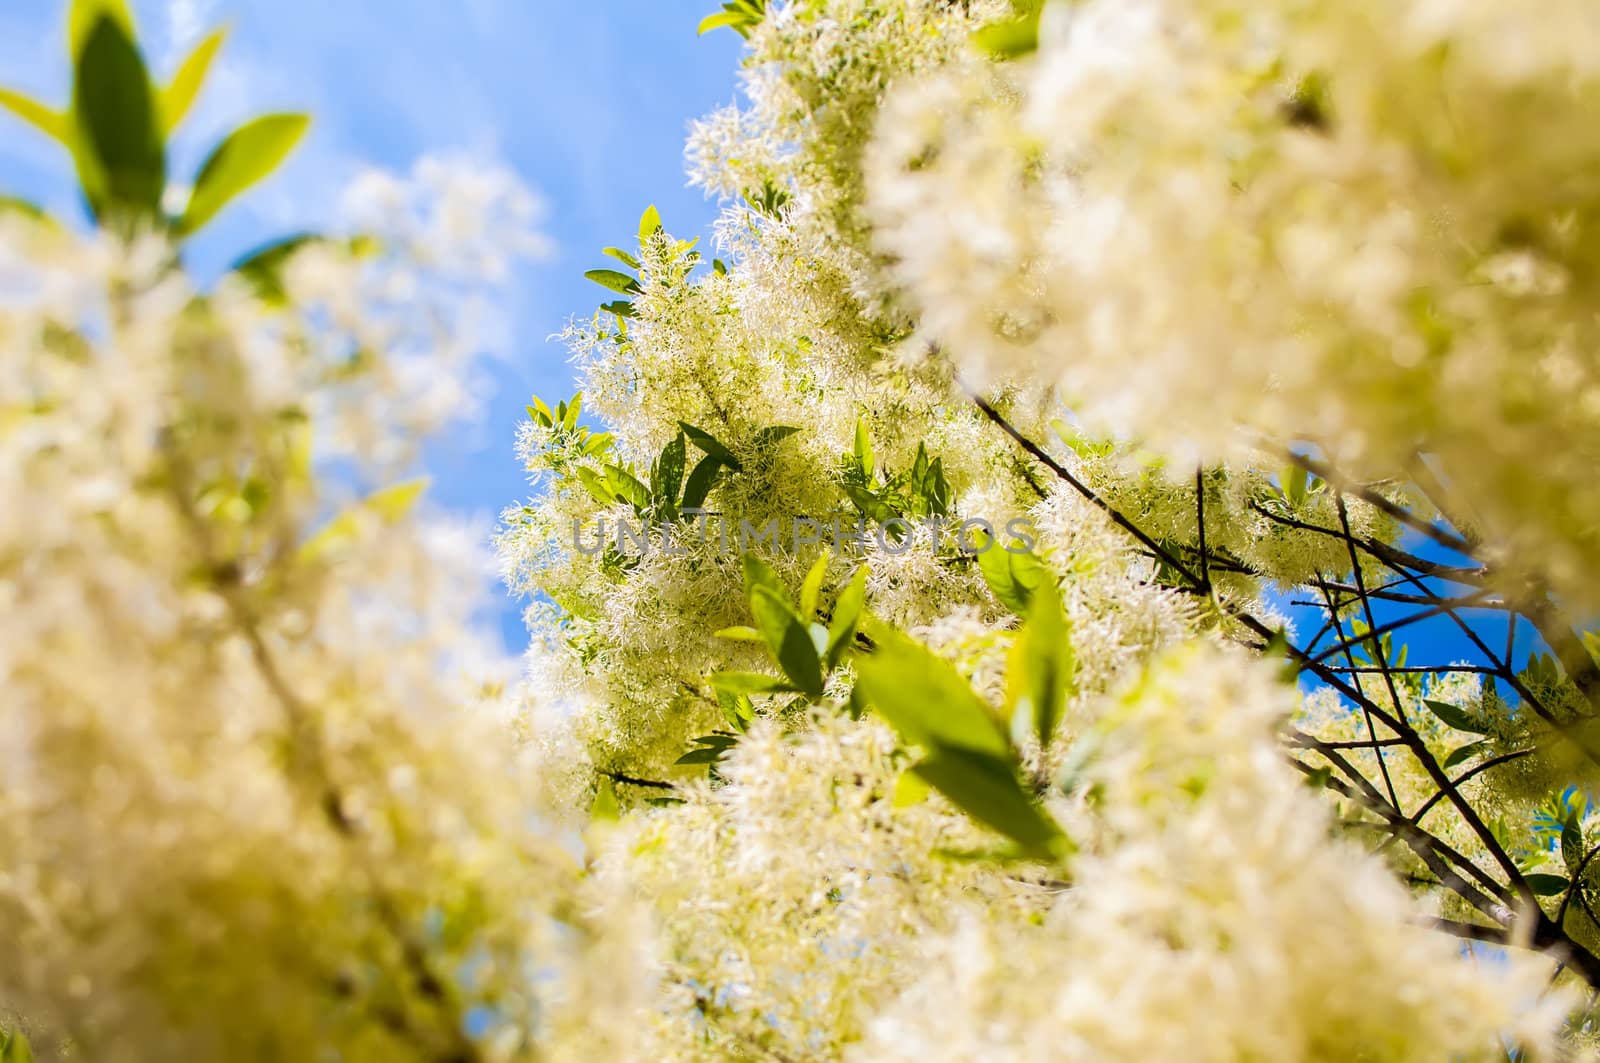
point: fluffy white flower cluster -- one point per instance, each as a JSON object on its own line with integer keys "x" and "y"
{"x": 1213, "y": 908}
{"x": 259, "y": 797}
{"x": 1367, "y": 226}
{"x": 1214, "y": 918}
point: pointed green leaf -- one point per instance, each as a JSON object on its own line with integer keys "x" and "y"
{"x": 1465, "y": 753}
{"x": 740, "y": 633}
{"x": 248, "y": 155}
{"x": 788, "y": 640}
{"x": 626, "y": 486}
{"x": 772, "y": 435}
{"x": 14, "y": 1047}
{"x": 1547, "y": 885}
{"x": 757, "y": 574}
{"x": 120, "y": 155}
{"x": 1455, "y": 717}
{"x": 595, "y": 485}
{"x": 986, "y": 788}
{"x": 1011, "y": 38}
{"x": 52, "y": 123}
{"x": 605, "y": 808}
{"x": 1041, "y": 672}
{"x": 621, "y": 256}
{"x": 263, "y": 267}
{"x": 1012, "y": 577}
{"x": 811, "y": 588}
{"x": 649, "y": 223}
{"x": 184, "y": 88}
{"x": 700, "y": 481}
{"x": 846, "y": 615}
{"x": 670, "y": 469}
{"x": 617, "y": 282}
{"x": 717, "y": 20}
{"x": 16, "y": 205}
{"x": 926, "y": 699}
{"x": 736, "y": 709}
{"x": 710, "y": 445}
{"x": 863, "y": 449}
{"x": 910, "y": 789}
{"x": 1572, "y": 841}
{"x": 747, "y": 683}
{"x": 390, "y": 504}
{"x": 82, "y": 16}
{"x": 706, "y": 755}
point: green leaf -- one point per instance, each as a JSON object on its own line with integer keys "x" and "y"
{"x": 1041, "y": 672}
{"x": 14, "y": 1047}
{"x": 717, "y": 20}
{"x": 248, "y": 155}
{"x": 649, "y": 223}
{"x": 620, "y": 307}
{"x": 1572, "y": 841}
{"x": 595, "y": 485}
{"x": 740, "y": 633}
{"x": 925, "y": 699}
{"x": 747, "y": 683}
{"x": 569, "y": 420}
{"x": 263, "y": 267}
{"x": 862, "y": 450}
{"x": 739, "y": 15}
{"x": 621, "y": 256}
{"x": 757, "y": 573}
{"x": 1012, "y": 577}
{"x": 788, "y": 640}
{"x": 1013, "y": 37}
{"x": 392, "y": 503}
{"x": 389, "y": 504}
{"x": 710, "y": 445}
{"x": 846, "y": 615}
{"x": 1465, "y": 753}
{"x": 17, "y": 205}
{"x": 626, "y": 486}
{"x": 605, "y": 808}
{"x": 736, "y": 709}
{"x": 1546, "y": 885}
{"x": 1295, "y": 481}
{"x": 772, "y": 435}
{"x": 617, "y": 282}
{"x": 811, "y": 588}
{"x": 1455, "y": 717}
{"x": 704, "y": 755}
{"x": 121, "y": 159}
{"x": 84, "y": 14}
{"x": 986, "y": 788}
{"x": 700, "y": 481}
{"x": 184, "y": 88}
{"x": 670, "y": 469}
{"x": 910, "y": 789}
{"x": 52, "y": 123}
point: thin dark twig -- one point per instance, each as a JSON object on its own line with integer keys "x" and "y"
{"x": 1377, "y": 501}
{"x": 1366, "y": 608}
{"x": 1372, "y": 733}
{"x": 1079, "y": 486}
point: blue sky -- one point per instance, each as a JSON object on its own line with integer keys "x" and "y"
{"x": 588, "y": 102}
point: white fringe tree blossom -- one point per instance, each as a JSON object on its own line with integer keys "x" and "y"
{"x": 1253, "y": 336}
